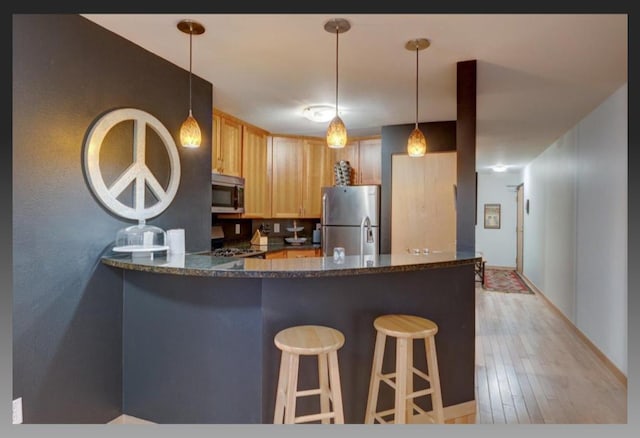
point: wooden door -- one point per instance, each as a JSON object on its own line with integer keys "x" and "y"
{"x": 423, "y": 213}
{"x": 369, "y": 161}
{"x": 256, "y": 170}
{"x": 315, "y": 176}
{"x": 286, "y": 189}
{"x": 519, "y": 228}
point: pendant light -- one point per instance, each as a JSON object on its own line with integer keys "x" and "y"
{"x": 337, "y": 132}
{"x": 417, "y": 143}
{"x": 190, "y": 136}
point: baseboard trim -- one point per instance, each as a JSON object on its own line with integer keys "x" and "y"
{"x": 129, "y": 419}
{"x": 500, "y": 268}
{"x": 462, "y": 413}
{"x": 605, "y": 360}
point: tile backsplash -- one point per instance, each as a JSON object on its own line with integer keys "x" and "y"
{"x": 247, "y": 227}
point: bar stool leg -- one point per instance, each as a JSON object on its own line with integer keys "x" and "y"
{"x": 409, "y": 385}
{"x": 401, "y": 381}
{"x": 374, "y": 384}
{"x": 336, "y": 392}
{"x": 281, "y": 393}
{"x": 323, "y": 373}
{"x": 434, "y": 379}
{"x": 292, "y": 388}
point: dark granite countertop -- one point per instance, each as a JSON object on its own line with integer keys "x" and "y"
{"x": 205, "y": 265}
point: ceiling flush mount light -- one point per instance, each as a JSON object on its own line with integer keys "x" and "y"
{"x": 499, "y": 168}
{"x": 319, "y": 113}
{"x": 417, "y": 143}
{"x": 337, "y": 132}
{"x": 190, "y": 136}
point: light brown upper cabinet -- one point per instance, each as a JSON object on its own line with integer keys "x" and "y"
{"x": 256, "y": 170}
{"x": 226, "y": 156}
{"x": 300, "y": 169}
{"x": 348, "y": 153}
{"x": 369, "y": 161}
{"x": 316, "y": 174}
{"x": 364, "y": 157}
{"x": 287, "y": 161}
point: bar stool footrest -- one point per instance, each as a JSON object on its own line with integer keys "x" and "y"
{"x": 314, "y": 417}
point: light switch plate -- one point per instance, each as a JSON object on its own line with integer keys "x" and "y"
{"x": 237, "y": 228}
{"x": 276, "y": 228}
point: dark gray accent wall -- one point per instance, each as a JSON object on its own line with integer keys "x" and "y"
{"x": 67, "y": 307}
{"x": 466, "y": 157}
{"x": 193, "y": 349}
{"x": 441, "y": 137}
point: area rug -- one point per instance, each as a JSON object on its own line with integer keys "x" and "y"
{"x": 504, "y": 280}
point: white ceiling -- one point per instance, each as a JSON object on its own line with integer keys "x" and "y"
{"x": 538, "y": 74}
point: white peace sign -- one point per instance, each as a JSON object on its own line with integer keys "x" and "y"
{"x": 137, "y": 172}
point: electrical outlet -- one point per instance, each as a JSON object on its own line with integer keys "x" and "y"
{"x": 17, "y": 411}
{"x": 237, "y": 228}
{"x": 276, "y": 228}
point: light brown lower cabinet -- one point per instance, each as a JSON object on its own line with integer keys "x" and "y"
{"x": 294, "y": 253}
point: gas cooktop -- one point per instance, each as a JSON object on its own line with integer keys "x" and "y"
{"x": 236, "y": 252}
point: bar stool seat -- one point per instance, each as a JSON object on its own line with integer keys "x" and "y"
{"x": 310, "y": 340}
{"x": 405, "y": 328}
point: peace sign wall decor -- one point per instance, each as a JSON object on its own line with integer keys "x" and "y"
{"x": 137, "y": 173}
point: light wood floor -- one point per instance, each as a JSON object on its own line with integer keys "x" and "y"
{"x": 532, "y": 368}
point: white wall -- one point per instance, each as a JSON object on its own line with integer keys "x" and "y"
{"x": 602, "y": 227}
{"x": 498, "y": 247}
{"x": 575, "y": 235}
{"x": 549, "y": 257}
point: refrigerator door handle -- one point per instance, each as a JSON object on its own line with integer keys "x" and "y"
{"x": 324, "y": 208}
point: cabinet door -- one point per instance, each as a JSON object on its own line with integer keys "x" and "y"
{"x": 299, "y": 253}
{"x": 348, "y": 153}
{"x": 256, "y": 170}
{"x": 276, "y": 255}
{"x": 423, "y": 213}
{"x": 216, "y": 159}
{"x": 286, "y": 192}
{"x": 230, "y": 147}
{"x": 316, "y": 175}
{"x": 370, "y": 157}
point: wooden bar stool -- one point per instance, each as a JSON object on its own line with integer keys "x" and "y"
{"x": 405, "y": 328}
{"x": 309, "y": 340}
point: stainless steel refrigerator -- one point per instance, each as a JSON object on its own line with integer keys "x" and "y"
{"x": 351, "y": 219}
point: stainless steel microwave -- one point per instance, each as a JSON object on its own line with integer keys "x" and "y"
{"x": 227, "y": 193}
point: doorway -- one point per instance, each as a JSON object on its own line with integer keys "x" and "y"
{"x": 519, "y": 227}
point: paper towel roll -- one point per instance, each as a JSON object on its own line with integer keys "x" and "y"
{"x": 175, "y": 241}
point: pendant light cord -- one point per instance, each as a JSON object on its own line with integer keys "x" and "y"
{"x": 190, "y": 58}
{"x": 416, "y": 84}
{"x": 337, "y": 33}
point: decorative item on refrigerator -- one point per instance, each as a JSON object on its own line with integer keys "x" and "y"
{"x": 342, "y": 173}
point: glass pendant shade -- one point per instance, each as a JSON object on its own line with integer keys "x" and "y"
{"x": 336, "y": 133}
{"x": 190, "y": 136}
{"x": 417, "y": 143}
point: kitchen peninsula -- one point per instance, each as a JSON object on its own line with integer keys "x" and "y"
{"x": 198, "y": 330}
